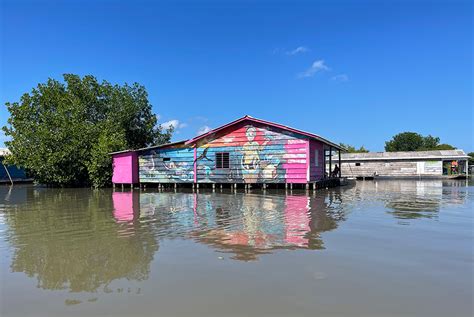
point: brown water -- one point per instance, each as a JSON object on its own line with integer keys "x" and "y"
{"x": 386, "y": 248}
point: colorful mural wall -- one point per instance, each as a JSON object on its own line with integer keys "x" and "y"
{"x": 169, "y": 165}
{"x": 249, "y": 153}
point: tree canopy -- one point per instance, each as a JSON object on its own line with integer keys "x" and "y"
{"x": 353, "y": 149}
{"x": 412, "y": 141}
{"x": 471, "y": 158}
{"x": 62, "y": 132}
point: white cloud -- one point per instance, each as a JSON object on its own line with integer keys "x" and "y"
{"x": 340, "y": 77}
{"x": 317, "y": 66}
{"x": 175, "y": 123}
{"x": 203, "y": 129}
{"x": 298, "y": 50}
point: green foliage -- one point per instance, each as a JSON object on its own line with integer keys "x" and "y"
{"x": 411, "y": 141}
{"x": 471, "y": 158}
{"x": 61, "y": 132}
{"x": 352, "y": 149}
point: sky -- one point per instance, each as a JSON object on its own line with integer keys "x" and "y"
{"x": 356, "y": 72}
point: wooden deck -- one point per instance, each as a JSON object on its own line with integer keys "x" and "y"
{"x": 325, "y": 183}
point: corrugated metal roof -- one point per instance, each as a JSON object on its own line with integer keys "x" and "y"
{"x": 438, "y": 154}
{"x": 147, "y": 148}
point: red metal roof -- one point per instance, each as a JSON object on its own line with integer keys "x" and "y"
{"x": 269, "y": 123}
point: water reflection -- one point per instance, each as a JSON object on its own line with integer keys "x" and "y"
{"x": 411, "y": 199}
{"x": 67, "y": 240}
{"x": 81, "y": 240}
{"x": 244, "y": 225}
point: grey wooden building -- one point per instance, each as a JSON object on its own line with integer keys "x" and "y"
{"x": 424, "y": 164}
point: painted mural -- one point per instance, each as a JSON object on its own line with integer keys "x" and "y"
{"x": 167, "y": 165}
{"x": 256, "y": 154}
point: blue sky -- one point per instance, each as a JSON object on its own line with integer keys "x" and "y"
{"x": 356, "y": 72}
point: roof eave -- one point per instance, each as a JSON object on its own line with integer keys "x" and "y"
{"x": 148, "y": 148}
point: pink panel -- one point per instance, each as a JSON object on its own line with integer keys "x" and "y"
{"x": 125, "y": 168}
{"x": 296, "y": 161}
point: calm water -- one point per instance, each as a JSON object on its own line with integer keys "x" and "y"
{"x": 386, "y": 248}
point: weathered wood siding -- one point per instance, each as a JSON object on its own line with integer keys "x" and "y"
{"x": 168, "y": 165}
{"x": 257, "y": 154}
{"x": 399, "y": 168}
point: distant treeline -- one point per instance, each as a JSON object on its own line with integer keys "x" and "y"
{"x": 406, "y": 141}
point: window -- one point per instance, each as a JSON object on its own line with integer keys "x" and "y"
{"x": 222, "y": 160}
{"x": 316, "y": 158}
{"x": 166, "y": 159}
{"x": 357, "y": 164}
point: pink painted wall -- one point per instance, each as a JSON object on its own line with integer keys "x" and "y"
{"x": 316, "y": 172}
{"x": 296, "y": 164}
{"x": 125, "y": 168}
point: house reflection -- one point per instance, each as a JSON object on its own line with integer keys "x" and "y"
{"x": 244, "y": 225}
{"x": 411, "y": 199}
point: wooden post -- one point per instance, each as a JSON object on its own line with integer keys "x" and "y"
{"x": 330, "y": 161}
{"x": 291, "y": 186}
{"x": 213, "y": 187}
{"x": 340, "y": 166}
{"x": 307, "y": 186}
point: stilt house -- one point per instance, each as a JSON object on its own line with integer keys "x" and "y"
{"x": 247, "y": 150}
